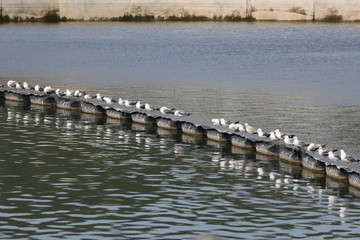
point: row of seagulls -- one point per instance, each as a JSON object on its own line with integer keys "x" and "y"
{"x": 108, "y": 100}
{"x": 288, "y": 139}
{"x": 234, "y": 126}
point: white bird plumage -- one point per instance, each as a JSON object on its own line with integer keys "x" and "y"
{"x": 250, "y": 129}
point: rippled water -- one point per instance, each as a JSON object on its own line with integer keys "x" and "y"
{"x": 70, "y": 175}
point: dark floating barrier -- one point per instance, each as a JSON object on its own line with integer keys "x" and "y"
{"x": 43, "y": 100}
{"x": 91, "y": 108}
{"x": 17, "y": 97}
{"x": 142, "y": 118}
{"x": 168, "y": 123}
{"x": 313, "y": 164}
{"x": 214, "y": 134}
{"x": 295, "y": 158}
{"x": 240, "y": 141}
{"x": 354, "y": 179}
{"x": 69, "y": 104}
{"x": 336, "y": 173}
{"x": 290, "y": 154}
{"x": 268, "y": 148}
{"x": 118, "y": 114}
{"x": 192, "y": 129}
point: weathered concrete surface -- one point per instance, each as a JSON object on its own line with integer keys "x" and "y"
{"x": 260, "y": 9}
{"x": 88, "y": 9}
{"x": 28, "y": 8}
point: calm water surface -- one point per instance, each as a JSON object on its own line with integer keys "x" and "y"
{"x": 75, "y": 176}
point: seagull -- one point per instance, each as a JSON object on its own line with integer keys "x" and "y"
{"x": 234, "y": 126}
{"x": 79, "y": 93}
{"x": 180, "y": 113}
{"x": 121, "y": 101}
{"x": 224, "y": 122}
{"x": 38, "y": 88}
{"x": 279, "y": 134}
{"x": 26, "y": 86}
{"x": 332, "y": 156}
{"x": 299, "y": 143}
{"x": 288, "y": 140}
{"x": 108, "y": 100}
{"x": 88, "y": 97}
{"x": 323, "y": 152}
{"x": 166, "y": 110}
{"x": 59, "y": 93}
{"x": 130, "y": 103}
{"x": 148, "y": 107}
{"x": 139, "y": 105}
{"x": 250, "y": 129}
{"x": 18, "y": 86}
{"x": 99, "y": 97}
{"x": 241, "y": 127}
{"x": 49, "y": 90}
{"x": 273, "y": 136}
{"x": 262, "y": 134}
{"x": 313, "y": 147}
{"x": 216, "y": 121}
{"x": 346, "y": 157}
{"x": 69, "y": 93}
{"x": 11, "y": 83}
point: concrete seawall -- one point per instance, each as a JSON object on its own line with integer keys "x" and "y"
{"x": 282, "y": 10}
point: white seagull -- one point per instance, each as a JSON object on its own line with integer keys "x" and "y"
{"x": 59, "y": 93}
{"x": 149, "y": 107}
{"x": 79, "y": 93}
{"x": 216, "y": 121}
{"x": 273, "y": 136}
{"x": 11, "y": 83}
{"x": 224, "y": 122}
{"x": 313, "y": 147}
{"x": 323, "y": 152}
{"x": 121, "y": 101}
{"x": 299, "y": 143}
{"x": 166, "y": 110}
{"x": 26, "y": 86}
{"x": 139, "y": 105}
{"x": 180, "y": 113}
{"x": 38, "y": 88}
{"x": 88, "y": 97}
{"x": 346, "y": 157}
{"x": 262, "y": 134}
{"x": 108, "y": 100}
{"x": 288, "y": 140}
{"x": 250, "y": 129}
{"x": 234, "y": 126}
{"x": 18, "y": 86}
{"x": 332, "y": 156}
{"x": 48, "y": 90}
{"x": 278, "y": 134}
{"x": 99, "y": 97}
{"x": 130, "y": 103}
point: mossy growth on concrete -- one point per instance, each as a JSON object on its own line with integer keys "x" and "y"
{"x": 52, "y": 16}
{"x": 4, "y": 19}
{"x": 134, "y": 18}
{"x": 333, "y": 16}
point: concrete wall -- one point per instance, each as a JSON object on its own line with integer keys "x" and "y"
{"x": 28, "y": 8}
{"x": 90, "y": 9}
{"x": 261, "y": 9}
